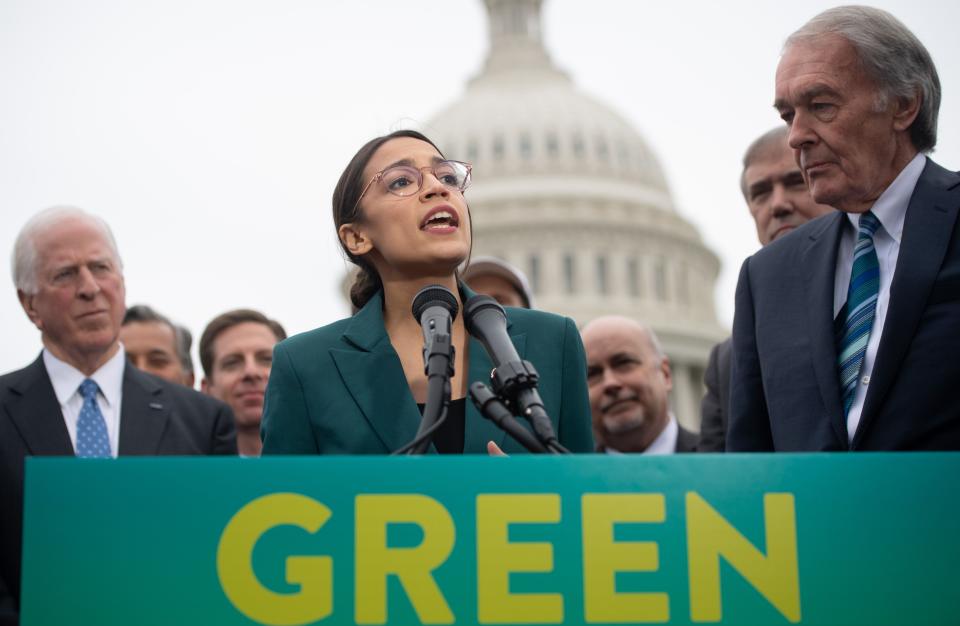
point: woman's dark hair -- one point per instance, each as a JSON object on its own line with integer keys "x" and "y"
{"x": 346, "y": 210}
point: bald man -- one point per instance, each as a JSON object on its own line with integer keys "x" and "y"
{"x": 629, "y": 381}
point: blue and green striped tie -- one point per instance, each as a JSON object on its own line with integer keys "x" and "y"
{"x": 861, "y": 305}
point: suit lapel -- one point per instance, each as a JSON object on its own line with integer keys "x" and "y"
{"x": 35, "y": 412}
{"x": 928, "y": 226}
{"x": 373, "y": 375}
{"x": 820, "y": 256}
{"x": 144, "y": 413}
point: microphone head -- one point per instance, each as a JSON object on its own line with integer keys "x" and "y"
{"x": 434, "y": 295}
{"x": 476, "y": 305}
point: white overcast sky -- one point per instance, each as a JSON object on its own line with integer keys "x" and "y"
{"x": 210, "y": 133}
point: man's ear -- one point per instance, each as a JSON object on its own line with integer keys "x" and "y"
{"x": 26, "y": 301}
{"x": 906, "y": 111}
{"x": 354, "y": 239}
{"x": 666, "y": 371}
{"x": 204, "y": 385}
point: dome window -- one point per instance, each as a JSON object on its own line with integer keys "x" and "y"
{"x": 553, "y": 145}
{"x": 603, "y": 152}
{"x": 498, "y": 147}
{"x": 526, "y": 147}
{"x": 603, "y": 287}
{"x": 660, "y": 279}
{"x": 634, "y": 279}
{"x": 569, "y": 273}
{"x": 579, "y": 149}
{"x": 534, "y": 273}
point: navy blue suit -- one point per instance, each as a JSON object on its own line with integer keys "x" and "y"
{"x": 156, "y": 418}
{"x": 785, "y": 390}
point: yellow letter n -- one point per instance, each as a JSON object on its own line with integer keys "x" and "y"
{"x": 775, "y": 575}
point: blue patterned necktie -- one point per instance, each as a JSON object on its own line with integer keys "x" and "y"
{"x": 861, "y": 305}
{"x": 92, "y": 438}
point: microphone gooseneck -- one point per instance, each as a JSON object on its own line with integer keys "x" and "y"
{"x": 514, "y": 379}
{"x": 434, "y": 307}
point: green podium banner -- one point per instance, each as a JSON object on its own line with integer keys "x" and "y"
{"x": 689, "y": 539}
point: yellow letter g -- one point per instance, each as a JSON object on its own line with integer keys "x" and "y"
{"x": 314, "y": 574}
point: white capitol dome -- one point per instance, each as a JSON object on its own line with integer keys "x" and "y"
{"x": 568, "y": 191}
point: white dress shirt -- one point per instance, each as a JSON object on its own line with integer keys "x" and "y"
{"x": 665, "y": 443}
{"x": 66, "y": 381}
{"x": 890, "y": 209}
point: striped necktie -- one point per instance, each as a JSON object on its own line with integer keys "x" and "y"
{"x": 861, "y": 305}
{"x": 92, "y": 438}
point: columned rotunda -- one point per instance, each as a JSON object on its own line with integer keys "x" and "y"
{"x": 569, "y": 192}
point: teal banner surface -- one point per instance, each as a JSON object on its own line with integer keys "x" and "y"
{"x": 687, "y": 539}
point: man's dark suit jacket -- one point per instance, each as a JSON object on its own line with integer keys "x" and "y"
{"x": 785, "y": 392}
{"x": 156, "y": 418}
{"x": 686, "y": 441}
{"x": 715, "y": 406}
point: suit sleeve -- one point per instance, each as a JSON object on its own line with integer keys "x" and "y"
{"x": 711, "y": 408}
{"x": 575, "y": 432}
{"x": 749, "y": 421}
{"x": 224, "y": 432}
{"x": 285, "y": 427}
{"x": 8, "y": 606}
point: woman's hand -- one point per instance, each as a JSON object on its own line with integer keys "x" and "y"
{"x": 494, "y": 450}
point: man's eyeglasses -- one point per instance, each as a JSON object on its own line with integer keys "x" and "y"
{"x": 406, "y": 180}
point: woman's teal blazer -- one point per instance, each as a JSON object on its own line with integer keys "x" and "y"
{"x": 340, "y": 389}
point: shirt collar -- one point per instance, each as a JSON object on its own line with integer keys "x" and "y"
{"x": 66, "y": 378}
{"x": 891, "y": 207}
{"x": 666, "y": 441}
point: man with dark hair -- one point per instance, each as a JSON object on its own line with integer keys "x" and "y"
{"x": 845, "y": 332}
{"x": 236, "y": 352}
{"x": 156, "y": 345}
{"x": 779, "y": 202}
{"x": 80, "y": 396}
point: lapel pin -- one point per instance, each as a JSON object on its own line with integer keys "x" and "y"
{"x": 156, "y": 405}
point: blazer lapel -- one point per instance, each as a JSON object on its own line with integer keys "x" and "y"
{"x": 821, "y": 257}
{"x": 36, "y": 413}
{"x": 927, "y": 229}
{"x": 373, "y": 375}
{"x": 144, "y": 413}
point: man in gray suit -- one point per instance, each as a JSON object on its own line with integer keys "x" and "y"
{"x": 80, "y": 396}
{"x": 845, "y": 332}
{"x": 779, "y": 202}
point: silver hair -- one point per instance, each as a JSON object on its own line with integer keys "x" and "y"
{"x": 25, "y": 257}
{"x": 762, "y": 145}
{"x": 891, "y": 55}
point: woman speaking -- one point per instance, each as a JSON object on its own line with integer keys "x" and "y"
{"x": 353, "y": 387}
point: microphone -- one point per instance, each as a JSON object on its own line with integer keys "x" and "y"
{"x": 435, "y": 307}
{"x": 513, "y": 378}
{"x": 492, "y": 408}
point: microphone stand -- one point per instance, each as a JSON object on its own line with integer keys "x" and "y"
{"x": 517, "y": 382}
{"x": 493, "y": 408}
{"x": 439, "y": 357}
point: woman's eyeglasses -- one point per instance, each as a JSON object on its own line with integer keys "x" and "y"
{"x": 406, "y": 180}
